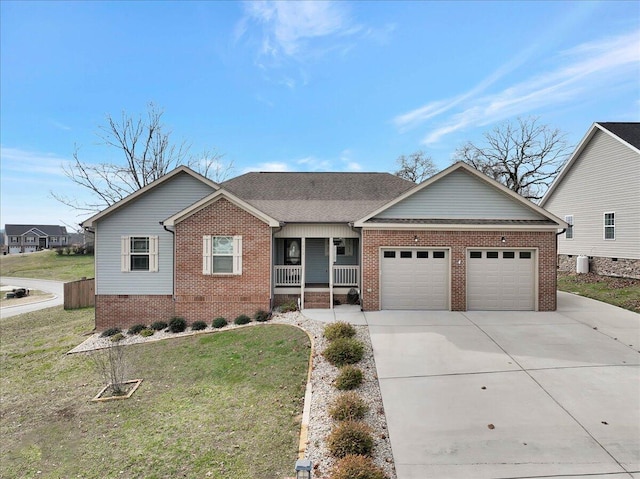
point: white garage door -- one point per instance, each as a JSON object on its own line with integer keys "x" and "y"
{"x": 415, "y": 279}
{"x": 500, "y": 280}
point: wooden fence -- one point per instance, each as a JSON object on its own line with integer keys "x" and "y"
{"x": 80, "y": 294}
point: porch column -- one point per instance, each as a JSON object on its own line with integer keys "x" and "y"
{"x": 332, "y": 255}
{"x": 303, "y": 261}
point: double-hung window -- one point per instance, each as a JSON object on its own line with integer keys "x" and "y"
{"x": 569, "y": 232}
{"x": 222, "y": 255}
{"x": 609, "y": 226}
{"x": 139, "y": 253}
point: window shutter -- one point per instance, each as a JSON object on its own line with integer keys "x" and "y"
{"x": 237, "y": 255}
{"x": 153, "y": 253}
{"x": 125, "y": 264}
{"x": 206, "y": 254}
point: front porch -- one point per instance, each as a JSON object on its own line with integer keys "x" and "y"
{"x": 316, "y": 272}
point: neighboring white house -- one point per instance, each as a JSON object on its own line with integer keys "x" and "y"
{"x": 598, "y": 193}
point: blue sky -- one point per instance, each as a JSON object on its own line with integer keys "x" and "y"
{"x": 299, "y": 86}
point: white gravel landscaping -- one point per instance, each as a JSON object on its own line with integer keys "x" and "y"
{"x": 322, "y": 390}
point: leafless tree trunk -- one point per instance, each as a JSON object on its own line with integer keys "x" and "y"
{"x": 416, "y": 167}
{"x": 148, "y": 155}
{"x": 524, "y": 156}
{"x": 112, "y": 365}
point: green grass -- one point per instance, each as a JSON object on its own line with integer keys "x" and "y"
{"x": 220, "y": 405}
{"x": 622, "y": 292}
{"x": 47, "y": 265}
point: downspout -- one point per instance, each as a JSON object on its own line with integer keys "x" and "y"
{"x": 173, "y": 233}
{"x": 361, "y": 261}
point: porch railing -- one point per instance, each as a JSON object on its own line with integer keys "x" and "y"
{"x": 345, "y": 275}
{"x": 286, "y": 275}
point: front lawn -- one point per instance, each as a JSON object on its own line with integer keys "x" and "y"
{"x": 622, "y": 292}
{"x": 219, "y": 405}
{"x": 47, "y": 265}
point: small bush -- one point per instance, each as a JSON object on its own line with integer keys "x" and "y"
{"x": 350, "y": 377}
{"x": 242, "y": 319}
{"x": 198, "y": 325}
{"x": 219, "y": 323}
{"x": 261, "y": 316}
{"x": 117, "y": 337}
{"x": 350, "y": 437}
{"x": 348, "y": 407}
{"x": 59, "y": 251}
{"x": 344, "y": 351}
{"x": 136, "y": 328}
{"x": 339, "y": 329}
{"x": 177, "y": 325}
{"x": 145, "y": 333}
{"x": 110, "y": 332}
{"x": 356, "y": 467}
{"x": 159, "y": 325}
{"x": 288, "y": 307}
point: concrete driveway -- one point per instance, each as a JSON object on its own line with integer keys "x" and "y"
{"x": 511, "y": 394}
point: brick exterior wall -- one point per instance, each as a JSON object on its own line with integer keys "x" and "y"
{"x": 125, "y": 310}
{"x": 204, "y": 297}
{"x": 458, "y": 241}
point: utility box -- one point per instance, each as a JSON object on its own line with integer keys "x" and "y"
{"x": 582, "y": 264}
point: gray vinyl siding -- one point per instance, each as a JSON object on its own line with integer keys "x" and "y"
{"x": 459, "y": 195}
{"x": 604, "y": 178}
{"x": 141, "y": 217}
{"x": 317, "y": 263}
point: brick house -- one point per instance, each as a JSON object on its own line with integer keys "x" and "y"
{"x": 188, "y": 247}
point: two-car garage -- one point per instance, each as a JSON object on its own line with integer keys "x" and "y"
{"x": 420, "y": 279}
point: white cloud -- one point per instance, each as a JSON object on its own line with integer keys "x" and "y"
{"x": 268, "y": 166}
{"x": 582, "y": 71}
{"x": 31, "y": 162}
{"x": 287, "y": 26}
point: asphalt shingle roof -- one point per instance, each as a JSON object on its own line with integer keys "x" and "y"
{"x": 49, "y": 230}
{"x": 629, "y": 132}
{"x": 317, "y": 197}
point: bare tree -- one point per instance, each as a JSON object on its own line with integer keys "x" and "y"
{"x": 148, "y": 153}
{"x": 112, "y": 365}
{"x": 525, "y": 156}
{"x": 416, "y": 167}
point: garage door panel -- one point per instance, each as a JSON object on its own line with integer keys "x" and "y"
{"x": 415, "y": 279}
{"x": 500, "y": 280}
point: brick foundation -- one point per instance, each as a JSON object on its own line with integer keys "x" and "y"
{"x": 126, "y": 310}
{"x": 458, "y": 242}
{"x": 621, "y": 267}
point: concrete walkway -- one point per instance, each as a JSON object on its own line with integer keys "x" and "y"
{"x": 509, "y": 394}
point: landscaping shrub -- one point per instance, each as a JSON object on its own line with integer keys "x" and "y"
{"x": 159, "y": 325}
{"x": 117, "y": 337}
{"x": 136, "y": 328}
{"x": 339, "y": 329}
{"x": 177, "y": 325}
{"x": 344, "y": 351}
{"x": 261, "y": 316}
{"x": 59, "y": 251}
{"x": 356, "y": 467}
{"x": 288, "y": 307}
{"x": 145, "y": 333}
{"x": 219, "y": 323}
{"x": 198, "y": 325}
{"x": 350, "y": 377}
{"x": 348, "y": 407}
{"x": 110, "y": 332}
{"x": 350, "y": 437}
{"x": 242, "y": 319}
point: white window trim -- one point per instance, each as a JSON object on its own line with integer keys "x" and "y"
{"x": 605, "y": 226}
{"x": 125, "y": 254}
{"x": 207, "y": 255}
{"x": 569, "y": 220}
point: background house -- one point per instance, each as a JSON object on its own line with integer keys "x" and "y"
{"x": 598, "y": 194}
{"x": 184, "y": 246}
{"x": 30, "y": 238}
